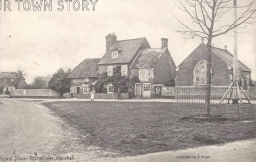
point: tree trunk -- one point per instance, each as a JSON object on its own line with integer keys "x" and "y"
{"x": 208, "y": 77}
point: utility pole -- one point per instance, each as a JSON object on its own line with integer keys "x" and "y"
{"x": 234, "y": 89}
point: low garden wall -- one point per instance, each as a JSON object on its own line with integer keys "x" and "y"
{"x": 34, "y": 93}
{"x": 102, "y": 96}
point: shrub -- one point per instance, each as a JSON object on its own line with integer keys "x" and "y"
{"x": 170, "y": 83}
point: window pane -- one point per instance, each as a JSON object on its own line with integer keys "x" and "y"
{"x": 147, "y": 87}
{"x": 124, "y": 70}
{"x": 110, "y": 70}
{"x": 110, "y": 89}
{"x": 142, "y": 74}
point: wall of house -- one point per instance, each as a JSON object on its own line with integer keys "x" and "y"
{"x": 165, "y": 69}
{"x": 220, "y": 71}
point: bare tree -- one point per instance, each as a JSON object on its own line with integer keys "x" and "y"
{"x": 203, "y": 15}
{"x": 16, "y": 78}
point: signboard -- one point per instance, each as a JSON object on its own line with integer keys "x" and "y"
{"x": 168, "y": 91}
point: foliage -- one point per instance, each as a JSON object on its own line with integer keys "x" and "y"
{"x": 135, "y": 79}
{"x": 170, "y": 83}
{"x": 116, "y": 79}
{"x": 17, "y": 78}
{"x": 38, "y": 83}
{"x": 119, "y": 81}
{"x": 60, "y": 82}
{"x": 104, "y": 79}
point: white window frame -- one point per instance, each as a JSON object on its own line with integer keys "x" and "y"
{"x": 148, "y": 88}
{"x": 144, "y": 77}
{"x": 110, "y": 85}
{"x": 115, "y": 54}
{"x": 86, "y": 89}
{"x": 110, "y": 70}
{"x": 200, "y": 74}
{"x": 124, "y": 70}
{"x": 72, "y": 89}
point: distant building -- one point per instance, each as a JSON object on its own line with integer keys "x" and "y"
{"x": 83, "y": 75}
{"x": 153, "y": 66}
{"x": 7, "y": 79}
{"x": 192, "y": 71}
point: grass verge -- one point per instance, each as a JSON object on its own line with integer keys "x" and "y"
{"x": 140, "y": 128}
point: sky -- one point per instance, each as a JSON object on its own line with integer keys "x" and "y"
{"x": 41, "y": 42}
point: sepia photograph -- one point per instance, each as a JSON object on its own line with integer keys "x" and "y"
{"x": 128, "y": 80}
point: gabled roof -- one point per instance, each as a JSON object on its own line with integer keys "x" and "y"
{"x": 127, "y": 48}
{"x": 147, "y": 57}
{"x": 226, "y": 56}
{"x": 87, "y": 68}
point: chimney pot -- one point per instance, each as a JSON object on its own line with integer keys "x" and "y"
{"x": 164, "y": 42}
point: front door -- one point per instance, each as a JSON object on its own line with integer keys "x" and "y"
{"x": 137, "y": 90}
{"x": 158, "y": 91}
{"x": 146, "y": 90}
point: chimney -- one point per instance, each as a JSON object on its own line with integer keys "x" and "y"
{"x": 164, "y": 43}
{"x": 110, "y": 40}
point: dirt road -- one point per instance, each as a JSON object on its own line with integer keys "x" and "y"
{"x": 30, "y": 129}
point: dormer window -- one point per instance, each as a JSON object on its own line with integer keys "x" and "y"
{"x": 114, "y": 54}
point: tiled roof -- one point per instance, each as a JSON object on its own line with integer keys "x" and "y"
{"x": 127, "y": 48}
{"x": 87, "y": 68}
{"x": 147, "y": 57}
{"x": 228, "y": 58}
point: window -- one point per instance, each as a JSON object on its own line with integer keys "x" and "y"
{"x": 114, "y": 54}
{"x": 110, "y": 88}
{"x": 147, "y": 87}
{"x": 71, "y": 89}
{"x": 145, "y": 74}
{"x": 86, "y": 89}
{"x": 124, "y": 69}
{"x": 151, "y": 73}
{"x": 142, "y": 74}
{"x": 200, "y": 73}
{"x": 110, "y": 70}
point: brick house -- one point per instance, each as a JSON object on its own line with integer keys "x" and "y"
{"x": 192, "y": 71}
{"x": 84, "y": 75}
{"x": 6, "y": 82}
{"x": 153, "y": 66}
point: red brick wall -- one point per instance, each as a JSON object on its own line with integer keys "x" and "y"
{"x": 221, "y": 73}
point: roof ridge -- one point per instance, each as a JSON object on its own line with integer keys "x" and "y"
{"x": 130, "y": 39}
{"x": 191, "y": 53}
{"x": 232, "y": 57}
{"x": 91, "y": 58}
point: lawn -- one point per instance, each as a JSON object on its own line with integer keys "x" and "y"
{"x": 140, "y": 128}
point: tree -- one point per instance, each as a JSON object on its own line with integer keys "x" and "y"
{"x": 119, "y": 81}
{"x": 39, "y": 83}
{"x": 60, "y": 82}
{"x": 203, "y": 15}
{"x": 16, "y": 78}
{"x": 103, "y": 79}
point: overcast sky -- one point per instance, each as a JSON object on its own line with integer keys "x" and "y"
{"x": 42, "y": 42}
